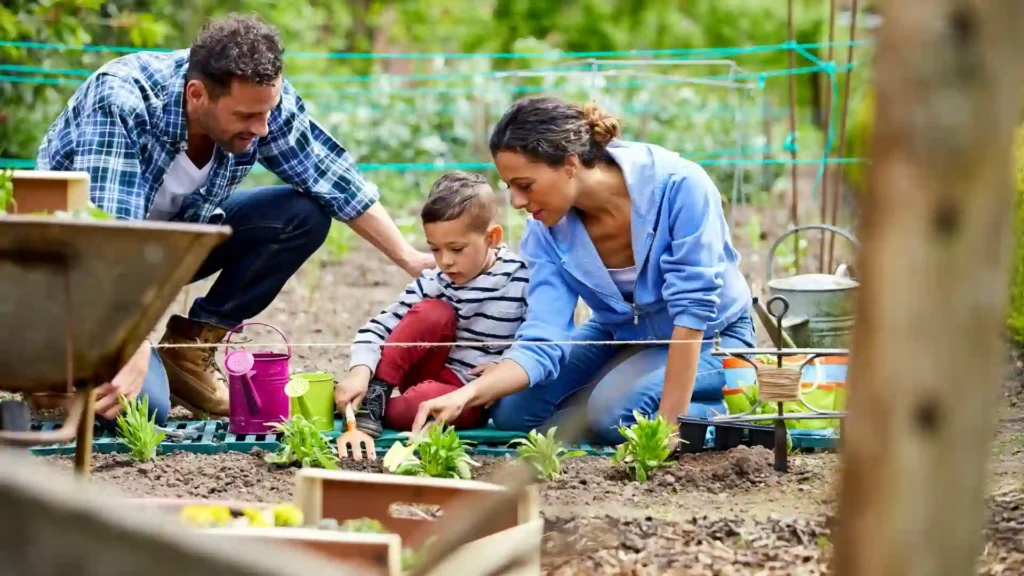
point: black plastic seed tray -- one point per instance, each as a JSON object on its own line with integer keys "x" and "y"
{"x": 728, "y": 435}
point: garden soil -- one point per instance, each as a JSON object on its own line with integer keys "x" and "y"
{"x": 715, "y": 514}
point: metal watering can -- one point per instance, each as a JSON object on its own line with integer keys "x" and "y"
{"x": 821, "y": 306}
{"x": 256, "y": 386}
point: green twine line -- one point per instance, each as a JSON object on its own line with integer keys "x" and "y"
{"x": 28, "y": 164}
{"x": 29, "y": 45}
{"x": 760, "y": 77}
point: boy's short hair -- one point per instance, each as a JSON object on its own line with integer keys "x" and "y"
{"x": 457, "y": 193}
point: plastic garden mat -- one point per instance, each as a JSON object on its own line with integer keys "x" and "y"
{"x": 212, "y": 437}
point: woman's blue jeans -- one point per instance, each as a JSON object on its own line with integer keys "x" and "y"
{"x": 634, "y": 384}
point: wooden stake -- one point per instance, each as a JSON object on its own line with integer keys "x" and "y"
{"x": 794, "y": 206}
{"x": 926, "y": 351}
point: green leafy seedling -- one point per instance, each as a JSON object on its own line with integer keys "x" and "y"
{"x": 647, "y": 445}
{"x": 439, "y": 453}
{"x": 302, "y": 444}
{"x": 410, "y": 557}
{"x": 368, "y": 525}
{"x": 544, "y": 453}
{"x": 137, "y": 430}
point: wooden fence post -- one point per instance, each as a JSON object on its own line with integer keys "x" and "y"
{"x": 927, "y": 359}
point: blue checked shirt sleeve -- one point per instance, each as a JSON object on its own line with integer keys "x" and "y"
{"x": 304, "y": 155}
{"x": 100, "y": 136}
{"x": 107, "y": 147}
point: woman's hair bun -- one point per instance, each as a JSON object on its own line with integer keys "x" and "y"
{"x": 603, "y": 126}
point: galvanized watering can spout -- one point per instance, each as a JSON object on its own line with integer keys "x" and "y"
{"x": 821, "y": 305}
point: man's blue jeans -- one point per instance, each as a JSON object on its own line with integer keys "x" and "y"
{"x": 634, "y": 384}
{"x": 275, "y": 229}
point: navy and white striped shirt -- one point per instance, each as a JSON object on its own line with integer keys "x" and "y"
{"x": 127, "y": 123}
{"x": 488, "y": 308}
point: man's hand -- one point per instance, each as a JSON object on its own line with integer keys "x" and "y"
{"x": 416, "y": 262}
{"x": 352, "y": 388}
{"x": 442, "y": 409}
{"x": 127, "y": 383}
{"x": 377, "y": 227}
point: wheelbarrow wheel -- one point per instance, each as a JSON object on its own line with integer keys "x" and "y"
{"x": 15, "y": 416}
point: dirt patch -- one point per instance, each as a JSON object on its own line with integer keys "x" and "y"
{"x": 1004, "y": 532}
{"x": 712, "y": 482}
{"x": 741, "y": 467}
{"x": 702, "y": 546}
{"x": 229, "y": 476}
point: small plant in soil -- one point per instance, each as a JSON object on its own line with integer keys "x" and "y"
{"x": 410, "y": 557}
{"x": 544, "y": 453}
{"x": 646, "y": 447}
{"x": 137, "y": 430}
{"x": 303, "y": 445}
{"x": 439, "y": 453}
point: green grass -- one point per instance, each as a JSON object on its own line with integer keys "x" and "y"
{"x": 1015, "y": 320}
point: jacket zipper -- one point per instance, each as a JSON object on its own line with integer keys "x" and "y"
{"x": 636, "y": 288}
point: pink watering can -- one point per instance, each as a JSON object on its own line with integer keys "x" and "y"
{"x": 256, "y": 384}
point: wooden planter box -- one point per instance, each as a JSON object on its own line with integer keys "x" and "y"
{"x": 351, "y": 495}
{"x": 370, "y": 554}
{"x": 50, "y": 191}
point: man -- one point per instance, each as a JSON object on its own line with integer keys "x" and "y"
{"x": 169, "y": 136}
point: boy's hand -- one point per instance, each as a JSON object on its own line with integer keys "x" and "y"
{"x": 352, "y": 388}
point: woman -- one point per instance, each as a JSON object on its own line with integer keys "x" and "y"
{"x": 639, "y": 234}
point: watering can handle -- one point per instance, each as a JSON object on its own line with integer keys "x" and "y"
{"x": 227, "y": 342}
{"x": 778, "y": 242}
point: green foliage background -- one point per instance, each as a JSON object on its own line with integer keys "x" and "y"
{"x": 432, "y": 108}
{"x": 1015, "y": 322}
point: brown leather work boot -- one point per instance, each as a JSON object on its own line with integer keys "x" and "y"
{"x": 196, "y": 381}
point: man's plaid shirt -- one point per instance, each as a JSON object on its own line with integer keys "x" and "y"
{"x": 127, "y": 122}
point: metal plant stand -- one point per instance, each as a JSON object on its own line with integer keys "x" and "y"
{"x": 779, "y": 384}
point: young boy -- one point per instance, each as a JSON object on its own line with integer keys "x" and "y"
{"x": 476, "y": 293}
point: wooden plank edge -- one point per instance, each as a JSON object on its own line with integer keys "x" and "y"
{"x": 57, "y": 524}
{"x": 360, "y": 547}
{"x": 490, "y": 554}
{"x": 347, "y": 477}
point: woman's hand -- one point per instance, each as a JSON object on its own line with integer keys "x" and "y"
{"x": 483, "y": 369}
{"x": 442, "y": 409}
{"x": 680, "y": 373}
{"x": 497, "y": 381}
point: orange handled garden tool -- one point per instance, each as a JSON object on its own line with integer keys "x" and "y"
{"x": 351, "y": 441}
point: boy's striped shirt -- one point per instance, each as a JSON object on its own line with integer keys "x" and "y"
{"x": 489, "y": 308}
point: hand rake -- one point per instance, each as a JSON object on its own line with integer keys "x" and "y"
{"x": 350, "y": 441}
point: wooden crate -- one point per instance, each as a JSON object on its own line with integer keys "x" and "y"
{"x": 56, "y": 524}
{"x": 345, "y": 496}
{"x": 49, "y": 191}
{"x": 370, "y": 554}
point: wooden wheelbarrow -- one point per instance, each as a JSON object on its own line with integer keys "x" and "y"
{"x": 77, "y": 298}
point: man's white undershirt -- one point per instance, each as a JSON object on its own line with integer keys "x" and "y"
{"x": 182, "y": 179}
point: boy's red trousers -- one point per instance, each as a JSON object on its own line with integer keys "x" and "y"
{"x": 419, "y": 372}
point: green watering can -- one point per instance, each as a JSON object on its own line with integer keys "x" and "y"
{"x": 312, "y": 395}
